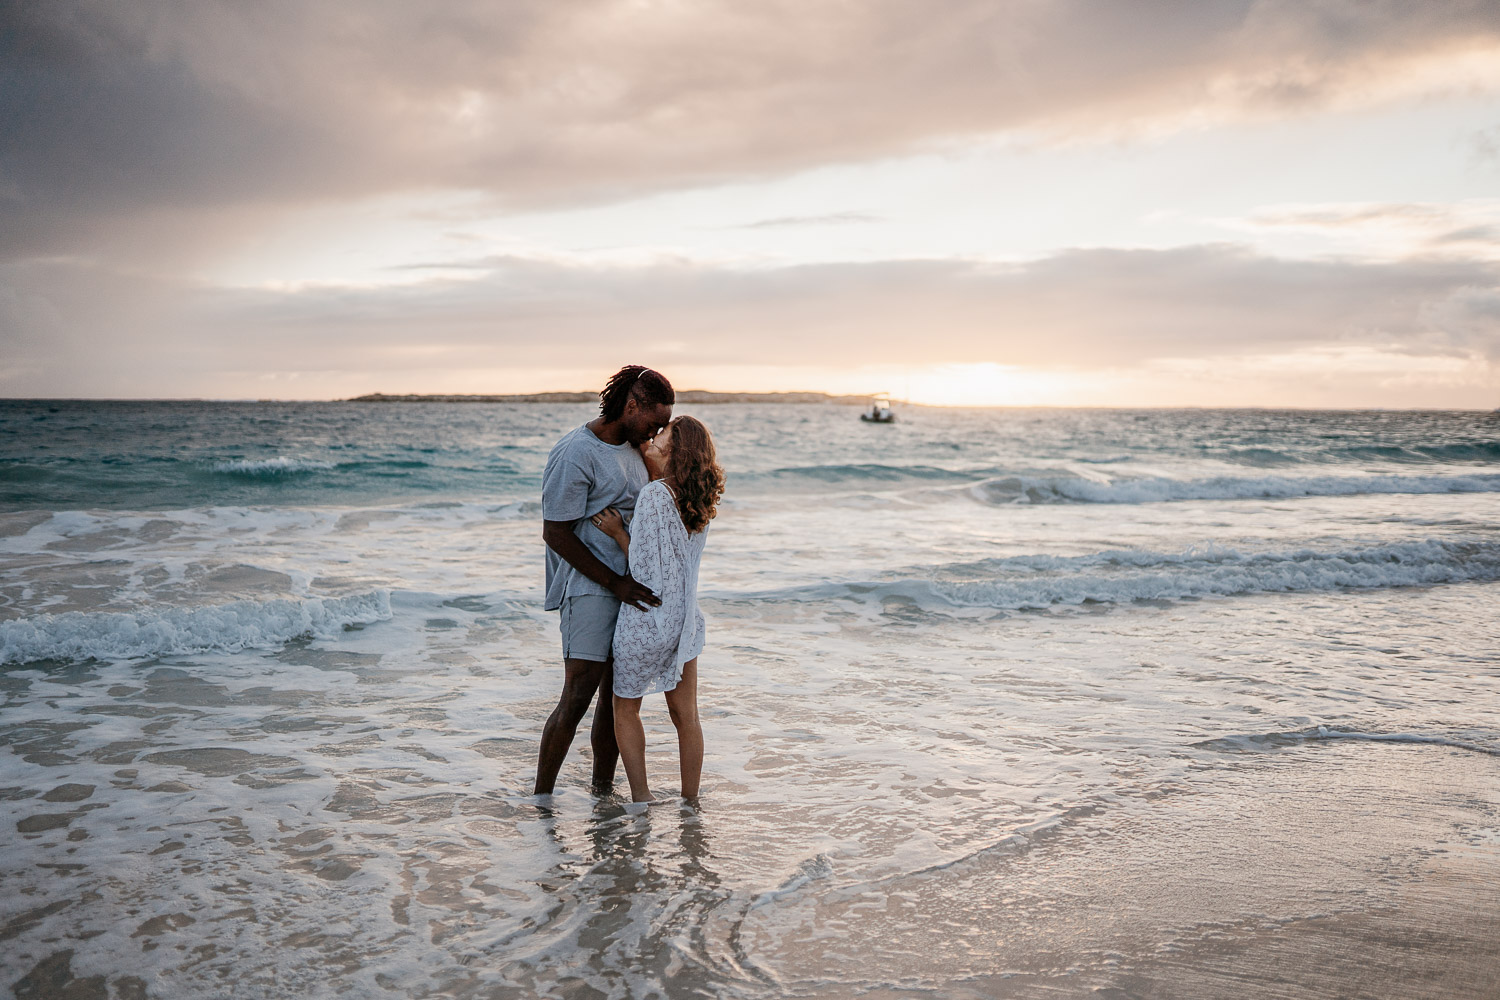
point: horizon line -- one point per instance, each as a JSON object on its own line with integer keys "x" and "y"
{"x": 837, "y": 399}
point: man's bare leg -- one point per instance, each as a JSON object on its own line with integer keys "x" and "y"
{"x": 602, "y": 733}
{"x": 580, "y": 681}
{"x": 682, "y": 704}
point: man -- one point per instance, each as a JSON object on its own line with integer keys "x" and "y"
{"x": 595, "y": 466}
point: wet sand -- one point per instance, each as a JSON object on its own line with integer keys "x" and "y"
{"x": 147, "y": 865}
{"x": 1180, "y": 907}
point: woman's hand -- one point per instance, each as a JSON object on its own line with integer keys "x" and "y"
{"x": 611, "y": 523}
{"x": 656, "y": 453}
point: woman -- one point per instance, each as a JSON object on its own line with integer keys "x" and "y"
{"x": 657, "y": 649}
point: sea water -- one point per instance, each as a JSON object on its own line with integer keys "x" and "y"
{"x": 996, "y": 703}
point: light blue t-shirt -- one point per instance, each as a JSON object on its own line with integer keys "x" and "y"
{"x": 583, "y": 476}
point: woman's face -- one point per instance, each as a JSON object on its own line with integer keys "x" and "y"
{"x": 659, "y": 449}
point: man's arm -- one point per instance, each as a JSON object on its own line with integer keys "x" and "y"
{"x": 560, "y": 538}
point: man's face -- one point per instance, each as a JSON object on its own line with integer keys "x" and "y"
{"x": 643, "y": 420}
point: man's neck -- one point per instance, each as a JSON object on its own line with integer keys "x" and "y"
{"x": 608, "y": 431}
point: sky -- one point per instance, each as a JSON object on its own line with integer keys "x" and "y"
{"x": 1012, "y": 202}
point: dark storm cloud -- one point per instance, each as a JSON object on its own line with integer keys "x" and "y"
{"x": 114, "y": 108}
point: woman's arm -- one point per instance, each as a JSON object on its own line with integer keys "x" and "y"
{"x": 612, "y": 524}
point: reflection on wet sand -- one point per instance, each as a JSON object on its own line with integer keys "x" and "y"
{"x": 635, "y": 905}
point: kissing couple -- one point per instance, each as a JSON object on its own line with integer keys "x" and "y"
{"x": 626, "y": 501}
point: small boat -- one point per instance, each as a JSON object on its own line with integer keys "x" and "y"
{"x": 879, "y": 412}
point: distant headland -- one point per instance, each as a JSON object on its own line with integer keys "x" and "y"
{"x": 685, "y": 397}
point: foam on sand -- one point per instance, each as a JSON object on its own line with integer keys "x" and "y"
{"x": 1264, "y": 742}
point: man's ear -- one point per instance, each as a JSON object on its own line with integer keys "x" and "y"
{"x": 632, "y": 406}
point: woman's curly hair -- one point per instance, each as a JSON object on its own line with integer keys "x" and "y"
{"x": 697, "y": 473}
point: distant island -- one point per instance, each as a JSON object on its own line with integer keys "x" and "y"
{"x": 686, "y": 396}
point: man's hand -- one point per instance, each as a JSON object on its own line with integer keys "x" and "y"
{"x": 635, "y": 594}
{"x": 560, "y": 538}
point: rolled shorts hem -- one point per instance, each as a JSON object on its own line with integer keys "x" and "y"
{"x": 587, "y": 623}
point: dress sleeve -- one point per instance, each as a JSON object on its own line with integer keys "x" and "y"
{"x": 651, "y": 553}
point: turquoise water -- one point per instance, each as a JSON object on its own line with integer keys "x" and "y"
{"x": 997, "y": 703}
{"x": 73, "y": 455}
{"x": 69, "y": 455}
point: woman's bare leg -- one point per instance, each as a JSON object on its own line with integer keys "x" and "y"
{"x": 682, "y": 703}
{"x": 631, "y": 737}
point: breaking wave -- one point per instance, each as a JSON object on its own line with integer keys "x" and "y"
{"x": 1123, "y": 576}
{"x": 865, "y": 472}
{"x": 280, "y": 466}
{"x": 1043, "y": 485}
{"x": 1409, "y": 454}
{"x": 80, "y": 635}
{"x": 1076, "y": 489}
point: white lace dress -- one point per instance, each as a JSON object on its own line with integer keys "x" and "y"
{"x": 651, "y": 646}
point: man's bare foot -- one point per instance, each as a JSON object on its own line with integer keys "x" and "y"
{"x": 649, "y": 799}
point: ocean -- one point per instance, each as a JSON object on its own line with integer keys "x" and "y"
{"x": 997, "y": 703}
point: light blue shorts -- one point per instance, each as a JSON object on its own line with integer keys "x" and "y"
{"x": 588, "y": 626}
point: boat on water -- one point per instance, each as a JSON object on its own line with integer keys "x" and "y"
{"x": 879, "y": 411}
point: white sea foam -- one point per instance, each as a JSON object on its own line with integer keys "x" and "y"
{"x": 815, "y": 869}
{"x": 1033, "y": 582}
{"x": 209, "y": 523}
{"x": 1155, "y": 489}
{"x": 82, "y": 635}
{"x": 279, "y": 466}
{"x": 1227, "y": 572}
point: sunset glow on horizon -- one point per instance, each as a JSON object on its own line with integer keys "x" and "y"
{"x": 985, "y": 203}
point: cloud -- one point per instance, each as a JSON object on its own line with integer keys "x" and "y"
{"x": 1467, "y": 319}
{"x": 115, "y": 109}
{"x": 1483, "y": 235}
{"x": 1083, "y": 310}
{"x": 835, "y": 219}
{"x": 1391, "y": 229}
{"x": 1484, "y": 146}
{"x": 1348, "y": 216}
